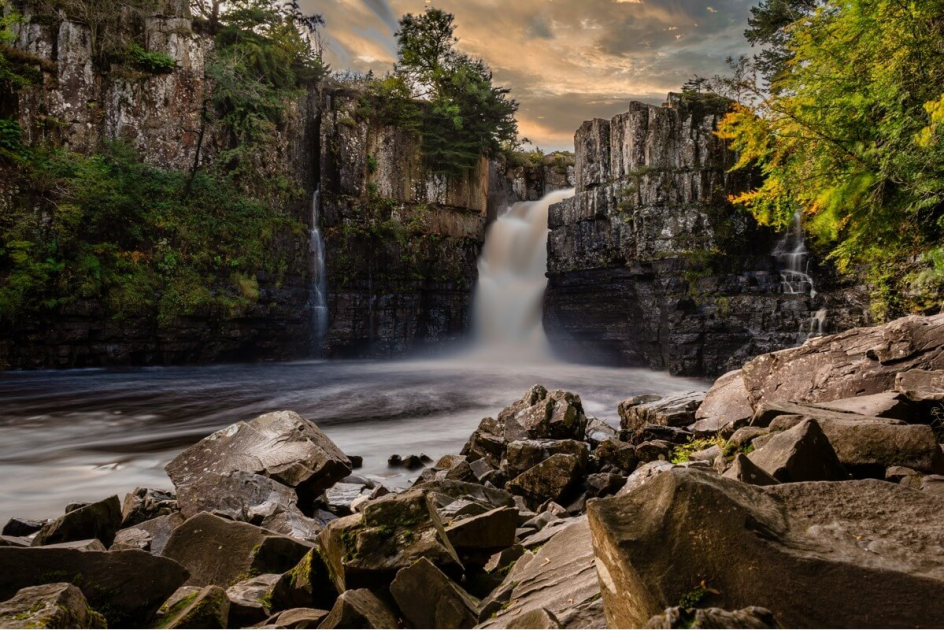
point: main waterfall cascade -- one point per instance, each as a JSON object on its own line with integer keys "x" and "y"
{"x": 508, "y": 313}
{"x": 793, "y": 261}
{"x": 318, "y": 290}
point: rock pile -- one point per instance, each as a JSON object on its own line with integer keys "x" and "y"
{"x": 811, "y": 511}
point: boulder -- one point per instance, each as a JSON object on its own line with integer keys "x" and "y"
{"x": 922, "y": 386}
{"x": 560, "y": 578}
{"x": 238, "y": 495}
{"x": 249, "y": 599}
{"x": 491, "y": 497}
{"x": 502, "y": 561}
{"x": 657, "y": 432}
{"x": 744, "y": 436}
{"x": 551, "y": 480}
{"x": 21, "y": 527}
{"x": 359, "y": 608}
{"x": 221, "y": 552}
{"x": 597, "y": 431}
{"x": 294, "y": 524}
{"x": 132, "y": 538}
{"x": 429, "y": 599}
{"x": 126, "y": 586}
{"x": 49, "y": 606}
{"x": 677, "y": 617}
{"x": 802, "y": 453}
{"x": 341, "y": 496}
{"x": 145, "y": 504}
{"x": 875, "y": 544}
{"x": 613, "y": 453}
{"x": 307, "y": 585}
{"x": 367, "y": 550}
{"x": 857, "y": 362}
{"x": 14, "y": 541}
{"x": 746, "y": 471}
{"x": 674, "y": 410}
{"x": 296, "y": 618}
{"x": 726, "y": 407}
{"x": 893, "y": 405}
{"x": 207, "y": 607}
{"x": 487, "y": 442}
{"x": 540, "y": 414}
{"x": 486, "y": 533}
{"x": 160, "y": 529}
{"x": 604, "y": 484}
{"x": 654, "y": 450}
{"x": 95, "y": 520}
{"x": 282, "y": 445}
{"x": 522, "y": 455}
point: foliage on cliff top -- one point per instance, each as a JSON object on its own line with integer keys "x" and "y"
{"x": 851, "y": 135}
{"x": 111, "y": 228}
{"x": 445, "y": 96}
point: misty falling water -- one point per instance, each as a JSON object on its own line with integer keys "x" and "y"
{"x": 318, "y": 290}
{"x": 793, "y": 261}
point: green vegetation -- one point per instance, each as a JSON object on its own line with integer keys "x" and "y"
{"x": 155, "y": 63}
{"x": 683, "y": 452}
{"x": 444, "y": 96}
{"x": 850, "y": 134}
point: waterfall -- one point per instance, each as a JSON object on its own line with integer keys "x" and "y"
{"x": 318, "y": 281}
{"x": 793, "y": 261}
{"x": 508, "y": 314}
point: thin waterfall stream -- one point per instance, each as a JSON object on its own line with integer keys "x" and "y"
{"x": 793, "y": 261}
{"x": 318, "y": 290}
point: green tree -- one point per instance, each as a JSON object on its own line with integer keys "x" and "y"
{"x": 768, "y": 27}
{"x": 852, "y": 136}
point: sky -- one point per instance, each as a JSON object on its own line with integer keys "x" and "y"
{"x": 566, "y": 61}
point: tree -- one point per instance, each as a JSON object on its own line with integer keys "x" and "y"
{"x": 769, "y": 27}
{"x": 851, "y": 135}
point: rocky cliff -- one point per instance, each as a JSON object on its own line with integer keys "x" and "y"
{"x": 650, "y": 264}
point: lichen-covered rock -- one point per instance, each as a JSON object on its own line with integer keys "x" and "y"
{"x": 613, "y": 453}
{"x": 484, "y": 533}
{"x": 429, "y": 599}
{"x": 99, "y": 520}
{"x": 367, "y": 550}
{"x": 774, "y": 538}
{"x": 250, "y": 600}
{"x": 221, "y": 552}
{"x": 237, "y": 495}
{"x": 551, "y": 480}
{"x": 145, "y": 504}
{"x": 675, "y": 410}
{"x": 359, "y": 608}
{"x": 282, "y": 446}
{"x": 541, "y": 414}
{"x": 307, "y": 585}
{"x": 522, "y": 455}
{"x": 49, "y": 606}
{"x": 297, "y": 618}
{"x": 196, "y": 608}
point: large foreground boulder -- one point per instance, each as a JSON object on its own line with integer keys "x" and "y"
{"x": 126, "y": 586}
{"x": 49, "y": 606}
{"x": 827, "y": 554}
{"x": 282, "y": 446}
{"x": 221, "y": 552}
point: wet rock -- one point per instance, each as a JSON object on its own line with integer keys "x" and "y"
{"x": 96, "y": 520}
{"x": 675, "y": 410}
{"x": 522, "y": 455}
{"x": 616, "y": 454}
{"x": 248, "y": 600}
{"x": 282, "y": 445}
{"x": 307, "y": 585}
{"x": 126, "y": 586}
{"x": 160, "y": 529}
{"x": 356, "y": 461}
{"x": 49, "y": 606}
{"x": 429, "y": 599}
{"x": 22, "y": 527}
{"x": 394, "y": 460}
{"x": 541, "y": 414}
{"x": 221, "y": 552}
{"x": 802, "y": 453}
{"x": 297, "y": 618}
{"x": 239, "y": 496}
{"x": 922, "y": 386}
{"x": 560, "y": 577}
{"x": 604, "y": 484}
{"x": 367, "y": 550}
{"x": 145, "y": 504}
{"x": 132, "y": 538}
{"x": 857, "y": 362}
{"x": 359, "y": 608}
{"x": 485, "y": 533}
{"x": 726, "y": 407}
{"x": 751, "y": 617}
{"x": 880, "y": 575}
{"x": 744, "y": 470}
{"x": 206, "y": 608}
{"x": 552, "y": 479}
{"x": 412, "y": 462}
{"x": 655, "y": 450}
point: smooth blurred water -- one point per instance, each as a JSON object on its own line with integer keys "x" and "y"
{"x": 83, "y": 435}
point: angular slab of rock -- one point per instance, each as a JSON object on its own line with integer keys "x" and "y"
{"x": 616, "y": 454}
{"x": 49, "y": 606}
{"x": 486, "y": 533}
{"x": 429, "y": 599}
{"x": 746, "y": 471}
{"x": 727, "y": 406}
{"x": 96, "y": 520}
{"x": 126, "y": 586}
{"x": 878, "y": 544}
{"x": 21, "y": 527}
{"x": 359, "y": 608}
{"x": 220, "y": 552}
{"x": 160, "y": 529}
{"x": 367, "y": 550}
{"x": 307, "y": 585}
{"x": 751, "y": 617}
{"x": 132, "y": 538}
{"x": 240, "y": 496}
{"x": 561, "y": 578}
{"x": 550, "y": 480}
{"x": 893, "y": 405}
{"x": 857, "y": 362}
{"x": 487, "y": 442}
{"x": 802, "y": 453}
{"x": 145, "y": 504}
{"x": 248, "y": 600}
{"x": 207, "y": 607}
{"x": 282, "y": 446}
{"x": 921, "y": 385}
{"x": 297, "y": 618}
{"x": 674, "y": 410}
{"x": 540, "y": 414}
{"x": 522, "y": 455}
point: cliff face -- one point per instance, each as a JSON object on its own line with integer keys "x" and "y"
{"x": 401, "y": 242}
{"x": 649, "y": 264}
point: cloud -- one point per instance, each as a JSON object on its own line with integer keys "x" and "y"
{"x": 566, "y": 61}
